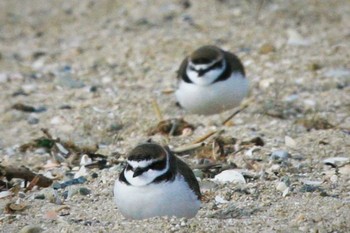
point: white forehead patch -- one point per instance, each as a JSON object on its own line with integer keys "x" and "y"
{"x": 208, "y": 78}
{"x": 141, "y": 163}
{"x": 199, "y": 67}
{"x": 146, "y": 177}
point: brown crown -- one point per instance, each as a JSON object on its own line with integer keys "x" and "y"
{"x": 147, "y": 151}
{"x": 206, "y": 54}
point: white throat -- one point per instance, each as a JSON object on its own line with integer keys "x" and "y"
{"x": 208, "y": 78}
{"x": 146, "y": 177}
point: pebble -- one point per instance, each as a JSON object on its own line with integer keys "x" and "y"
{"x": 267, "y": 48}
{"x": 85, "y": 159}
{"x": 79, "y": 180}
{"x": 220, "y": 200}
{"x": 3, "y": 78}
{"x": 31, "y": 229}
{"x": 279, "y": 155}
{"x": 52, "y": 196}
{"x": 290, "y": 142}
{"x": 312, "y": 182}
{"x": 32, "y": 120}
{"x": 337, "y": 73}
{"x": 51, "y": 215}
{"x": 310, "y": 102}
{"x": 65, "y": 79}
{"x": 294, "y": 38}
{"x": 29, "y": 88}
{"x": 84, "y": 191}
{"x": 291, "y": 98}
{"x": 70, "y": 192}
{"x": 345, "y": 170}
{"x": 306, "y": 188}
{"x": 208, "y": 185}
{"x": 81, "y": 173}
{"x": 281, "y": 186}
{"x": 6, "y": 193}
{"x": 198, "y": 173}
{"x": 230, "y": 176}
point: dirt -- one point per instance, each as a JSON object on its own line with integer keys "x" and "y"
{"x": 90, "y": 70}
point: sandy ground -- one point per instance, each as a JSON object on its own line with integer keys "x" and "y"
{"x": 94, "y": 68}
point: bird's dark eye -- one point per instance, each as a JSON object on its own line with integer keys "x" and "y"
{"x": 128, "y": 167}
{"x": 159, "y": 165}
{"x": 217, "y": 65}
{"x": 192, "y": 68}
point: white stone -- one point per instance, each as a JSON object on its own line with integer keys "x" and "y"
{"x": 230, "y": 176}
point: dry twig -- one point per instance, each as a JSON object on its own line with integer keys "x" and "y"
{"x": 22, "y": 172}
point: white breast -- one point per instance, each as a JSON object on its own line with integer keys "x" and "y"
{"x": 160, "y": 199}
{"x": 213, "y": 98}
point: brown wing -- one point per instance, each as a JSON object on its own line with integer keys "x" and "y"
{"x": 181, "y": 72}
{"x": 234, "y": 63}
{"x": 189, "y": 176}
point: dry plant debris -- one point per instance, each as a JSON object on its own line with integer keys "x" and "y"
{"x": 171, "y": 127}
{"x": 22, "y": 172}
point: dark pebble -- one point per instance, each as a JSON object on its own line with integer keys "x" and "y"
{"x": 84, "y": 191}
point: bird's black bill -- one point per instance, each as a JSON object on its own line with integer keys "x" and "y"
{"x": 138, "y": 171}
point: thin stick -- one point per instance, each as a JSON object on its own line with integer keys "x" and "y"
{"x": 188, "y": 147}
{"x": 157, "y": 110}
{"x": 204, "y": 137}
{"x": 243, "y": 106}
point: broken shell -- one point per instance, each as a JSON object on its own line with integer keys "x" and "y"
{"x": 281, "y": 186}
{"x": 230, "y": 176}
{"x": 4, "y": 194}
{"x": 17, "y": 207}
{"x": 220, "y": 200}
{"x": 85, "y": 159}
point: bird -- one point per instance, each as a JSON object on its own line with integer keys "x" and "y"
{"x": 210, "y": 81}
{"x": 154, "y": 183}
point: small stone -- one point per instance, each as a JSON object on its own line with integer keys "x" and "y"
{"x": 291, "y": 98}
{"x": 279, "y": 155}
{"x": 314, "y": 66}
{"x": 290, "y": 142}
{"x": 51, "y": 215}
{"x": 267, "y": 48}
{"x": 84, "y": 191}
{"x": 220, "y": 200}
{"x": 312, "y": 182}
{"x": 56, "y": 185}
{"x": 310, "y": 102}
{"x": 65, "y": 79}
{"x": 198, "y": 173}
{"x": 345, "y": 170}
{"x": 281, "y": 186}
{"x": 337, "y": 73}
{"x": 81, "y": 173}
{"x": 72, "y": 191}
{"x": 230, "y": 176}
{"x": 294, "y": 38}
{"x": 85, "y": 159}
{"x": 334, "y": 179}
{"x": 5, "y": 194}
{"x": 32, "y": 120}
{"x": 39, "y": 197}
{"x": 3, "y": 78}
{"x": 31, "y": 229}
